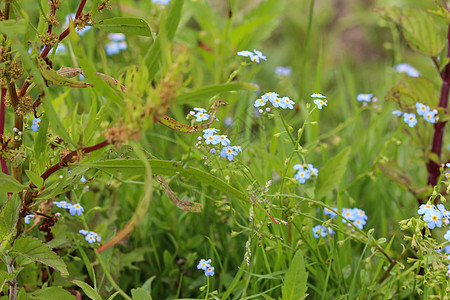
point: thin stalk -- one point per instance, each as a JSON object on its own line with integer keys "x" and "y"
{"x": 2, "y": 128}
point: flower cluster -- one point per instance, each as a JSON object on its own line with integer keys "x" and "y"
{"x": 305, "y": 172}
{"x": 255, "y": 56}
{"x": 205, "y": 265}
{"x": 366, "y": 99}
{"x": 435, "y": 216}
{"x": 211, "y": 139}
{"x": 283, "y": 71}
{"x": 74, "y": 209}
{"x": 319, "y": 100}
{"x": 162, "y": 2}
{"x": 405, "y": 68}
{"x": 356, "y": 216}
{"x": 275, "y": 99}
{"x": 116, "y": 44}
{"x": 422, "y": 110}
{"x": 200, "y": 114}
{"x": 36, "y": 123}
{"x": 322, "y": 231}
{"x": 91, "y": 236}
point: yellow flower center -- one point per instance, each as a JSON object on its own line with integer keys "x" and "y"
{"x": 434, "y": 218}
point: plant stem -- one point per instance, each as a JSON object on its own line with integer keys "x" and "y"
{"x": 2, "y": 128}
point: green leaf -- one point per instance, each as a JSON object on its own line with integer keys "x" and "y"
{"x": 410, "y": 90}
{"x": 295, "y": 280}
{"x": 421, "y": 32}
{"x": 9, "y": 184}
{"x": 4, "y": 277}
{"x": 8, "y": 216}
{"x": 208, "y": 92}
{"x": 55, "y": 121}
{"x": 390, "y": 13}
{"x": 393, "y": 171}
{"x": 331, "y": 173}
{"x": 140, "y": 294}
{"x": 52, "y": 293}
{"x": 55, "y": 78}
{"x": 40, "y": 145}
{"x": 88, "y": 290}
{"x": 35, "y": 179}
{"x": 37, "y": 251}
{"x": 171, "y": 24}
{"x": 125, "y": 25}
{"x": 13, "y": 27}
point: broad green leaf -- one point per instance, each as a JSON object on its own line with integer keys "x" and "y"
{"x": 55, "y": 120}
{"x": 331, "y": 173}
{"x": 40, "y": 145}
{"x": 210, "y": 91}
{"x": 421, "y": 32}
{"x": 153, "y": 55}
{"x": 35, "y": 178}
{"x": 410, "y": 90}
{"x": 8, "y": 216}
{"x": 295, "y": 280}
{"x": 88, "y": 290}
{"x": 140, "y": 294}
{"x": 55, "y": 78}
{"x": 4, "y": 277}
{"x": 52, "y": 293}
{"x": 9, "y": 184}
{"x": 37, "y": 251}
{"x": 390, "y": 13}
{"x": 125, "y": 25}
{"x": 164, "y": 167}
{"x": 13, "y": 27}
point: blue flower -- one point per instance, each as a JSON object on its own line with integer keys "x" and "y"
{"x": 397, "y": 113}
{"x": 410, "y": 119}
{"x": 276, "y": 102}
{"x": 259, "y": 55}
{"x": 433, "y": 218}
{"x": 211, "y": 139}
{"x": 200, "y": 109}
{"x": 115, "y": 47}
{"x": 287, "y": 103}
{"x": 162, "y": 2}
{"x": 224, "y": 140}
{"x": 283, "y": 71}
{"x": 320, "y": 103}
{"x": 270, "y": 96}
{"x": 210, "y": 131}
{"x": 321, "y": 231}
{"x": 90, "y": 238}
{"x": 313, "y": 170}
{"x": 209, "y": 271}
{"x": 405, "y": 68}
{"x": 447, "y": 175}
{"x": 83, "y": 232}
{"x": 302, "y": 175}
{"x": 62, "y": 204}
{"x": 364, "y": 97}
{"x": 204, "y": 264}
{"x": 429, "y": 116}
{"x": 259, "y": 102}
{"x": 447, "y": 165}
{"x": 316, "y": 95}
{"x": 329, "y": 212}
{"x": 447, "y": 235}
{"x": 201, "y": 116}
{"x": 36, "y": 123}
{"x": 359, "y": 223}
{"x": 359, "y": 214}
{"x": 27, "y": 218}
{"x": 117, "y": 37}
{"x": 442, "y": 209}
{"x": 237, "y": 149}
{"x": 76, "y": 209}
{"x": 82, "y": 179}
{"x": 228, "y": 152}
{"x": 245, "y": 53}
{"x": 61, "y": 48}
{"x": 348, "y": 214}
{"x": 422, "y": 109}
{"x": 424, "y": 208}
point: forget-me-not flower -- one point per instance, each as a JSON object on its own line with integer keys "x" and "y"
{"x": 27, "y": 219}
{"x": 320, "y": 103}
{"x": 405, "y": 68}
{"x": 201, "y": 116}
{"x": 364, "y": 97}
{"x": 422, "y": 108}
{"x": 433, "y": 218}
{"x": 397, "y": 113}
{"x": 410, "y": 119}
{"x": 62, "y": 204}
{"x": 36, "y": 123}
{"x": 283, "y": 71}
{"x": 228, "y": 152}
{"x": 76, "y": 209}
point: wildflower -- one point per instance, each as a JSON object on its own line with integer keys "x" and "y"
{"x": 270, "y": 96}
{"x": 211, "y": 139}
{"x": 359, "y": 214}
{"x": 200, "y": 109}
{"x": 36, "y": 123}
{"x": 447, "y": 235}
{"x": 27, "y": 218}
{"x": 442, "y": 209}
{"x": 90, "y": 238}
{"x": 447, "y": 165}
{"x": 447, "y": 175}
{"x": 259, "y": 55}
{"x": 316, "y": 95}
{"x": 224, "y": 140}
{"x": 228, "y": 121}
{"x": 61, "y": 48}
{"x": 283, "y": 71}
{"x": 204, "y": 264}
{"x": 83, "y": 232}
{"x": 259, "y": 102}
{"x": 320, "y": 103}
{"x": 228, "y": 152}
{"x": 433, "y": 218}
{"x": 201, "y": 116}
{"x": 321, "y": 231}
{"x": 117, "y": 37}
{"x": 405, "y": 68}
{"x": 209, "y": 271}
{"x": 425, "y": 208}
{"x": 422, "y": 109}
{"x": 162, "y": 2}
{"x": 62, "y": 204}
{"x": 364, "y": 97}
{"x": 113, "y": 47}
{"x": 397, "y": 113}
{"x": 287, "y": 103}
{"x": 348, "y": 214}
{"x": 359, "y": 223}
{"x": 429, "y": 116}
{"x": 245, "y": 53}
{"x": 237, "y": 149}
{"x": 210, "y": 131}
{"x": 302, "y": 175}
{"x": 82, "y": 179}
{"x": 213, "y": 151}
{"x": 313, "y": 170}
{"x": 75, "y": 209}
{"x": 329, "y": 212}
{"x": 410, "y": 119}
{"x": 275, "y": 102}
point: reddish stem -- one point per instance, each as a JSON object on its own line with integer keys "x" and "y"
{"x": 2, "y": 127}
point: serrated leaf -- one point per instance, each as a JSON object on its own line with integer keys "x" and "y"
{"x": 37, "y": 251}
{"x": 294, "y": 287}
{"x": 35, "y": 179}
{"x": 390, "y": 13}
{"x": 140, "y": 294}
{"x": 4, "y": 277}
{"x": 52, "y": 293}
{"x": 9, "y": 184}
{"x": 331, "y": 173}
{"x": 125, "y": 25}
{"x": 88, "y": 290}
{"x": 421, "y": 32}
{"x": 410, "y": 90}
{"x": 8, "y": 216}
